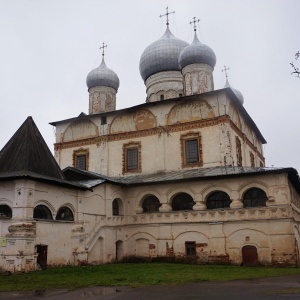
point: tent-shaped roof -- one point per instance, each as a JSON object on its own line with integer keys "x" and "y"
{"x": 27, "y": 152}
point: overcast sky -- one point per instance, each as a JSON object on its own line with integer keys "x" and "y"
{"x": 49, "y": 46}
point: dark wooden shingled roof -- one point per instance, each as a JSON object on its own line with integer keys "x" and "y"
{"x": 27, "y": 151}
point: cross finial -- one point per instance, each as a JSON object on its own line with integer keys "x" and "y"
{"x": 195, "y": 21}
{"x": 102, "y": 47}
{"x": 225, "y": 70}
{"x": 167, "y": 15}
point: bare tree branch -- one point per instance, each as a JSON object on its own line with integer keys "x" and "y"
{"x": 296, "y": 70}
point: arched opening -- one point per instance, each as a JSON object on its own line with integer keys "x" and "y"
{"x": 250, "y": 256}
{"x": 182, "y": 201}
{"x": 151, "y": 204}
{"x": 117, "y": 207}
{"x": 65, "y": 214}
{"x": 218, "y": 200}
{"x": 5, "y": 211}
{"x": 254, "y": 197}
{"x": 42, "y": 212}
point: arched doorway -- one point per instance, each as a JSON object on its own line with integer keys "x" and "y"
{"x": 250, "y": 257}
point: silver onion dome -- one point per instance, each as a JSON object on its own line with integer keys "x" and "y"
{"x": 197, "y": 53}
{"x": 238, "y": 94}
{"x": 103, "y": 76}
{"x": 161, "y": 55}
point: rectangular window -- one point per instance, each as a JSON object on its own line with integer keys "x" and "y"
{"x": 103, "y": 120}
{"x": 190, "y": 248}
{"x": 81, "y": 159}
{"x": 81, "y": 162}
{"x": 132, "y": 157}
{"x": 191, "y": 150}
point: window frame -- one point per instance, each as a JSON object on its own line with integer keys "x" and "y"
{"x": 191, "y": 136}
{"x": 79, "y": 153}
{"x": 190, "y": 248}
{"x": 126, "y": 148}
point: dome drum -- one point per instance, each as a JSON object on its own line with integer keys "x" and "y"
{"x": 164, "y": 85}
{"x": 197, "y": 79}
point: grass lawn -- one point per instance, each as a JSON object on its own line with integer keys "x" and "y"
{"x": 134, "y": 274}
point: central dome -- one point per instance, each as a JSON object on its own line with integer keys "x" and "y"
{"x": 162, "y": 55}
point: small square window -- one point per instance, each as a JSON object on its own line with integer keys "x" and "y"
{"x": 190, "y": 248}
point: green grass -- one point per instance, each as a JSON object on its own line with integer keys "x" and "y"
{"x": 130, "y": 274}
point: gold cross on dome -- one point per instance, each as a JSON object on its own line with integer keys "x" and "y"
{"x": 195, "y": 21}
{"x": 167, "y": 15}
{"x": 225, "y": 70}
{"x": 102, "y": 47}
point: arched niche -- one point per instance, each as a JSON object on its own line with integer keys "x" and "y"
{"x": 188, "y": 112}
{"x": 133, "y": 121}
{"x": 78, "y": 130}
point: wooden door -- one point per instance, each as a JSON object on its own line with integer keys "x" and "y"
{"x": 250, "y": 257}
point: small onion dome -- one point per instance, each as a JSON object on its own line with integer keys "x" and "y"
{"x": 161, "y": 55}
{"x": 103, "y": 76}
{"x": 238, "y": 94}
{"x": 197, "y": 53}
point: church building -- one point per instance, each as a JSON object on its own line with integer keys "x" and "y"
{"x": 179, "y": 177}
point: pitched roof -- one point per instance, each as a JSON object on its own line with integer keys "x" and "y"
{"x": 27, "y": 152}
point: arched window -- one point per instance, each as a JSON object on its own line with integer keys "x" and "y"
{"x": 255, "y": 197}
{"x": 151, "y": 204}
{"x": 5, "y": 211}
{"x": 218, "y": 200}
{"x": 42, "y": 212}
{"x": 115, "y": 208}
{"x": 65, "y": 214}
{"x": 183, "y": 201}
